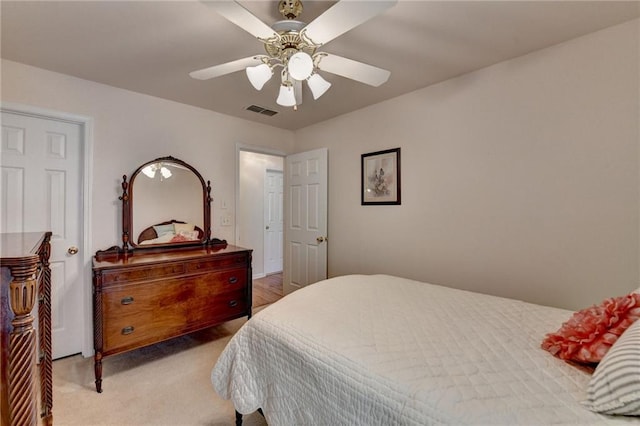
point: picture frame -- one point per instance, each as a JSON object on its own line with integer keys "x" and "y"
{"x": 380, "y": 178}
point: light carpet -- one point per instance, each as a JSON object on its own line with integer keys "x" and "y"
{"x": 164, "y": 384}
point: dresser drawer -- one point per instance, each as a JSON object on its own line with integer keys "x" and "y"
{"x": 116, "y": 276}
{"x": 225, "y": 281}
{"x": 136, "y": 314}
{"x": 163, "y": 294}
{"x": 238, "y": 260}
{"x": 217, "y": 308}
{"x": 139, "y": 328}
{"x": 139, "y": 313}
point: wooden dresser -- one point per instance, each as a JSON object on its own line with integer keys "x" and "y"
{"x": 141, "y": 298}
{"x": 26, "y": 278}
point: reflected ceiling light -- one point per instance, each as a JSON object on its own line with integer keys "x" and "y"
{"x": 318, "y": 85}
{"x": 151, "y": 169}
{"x": 259, "y": 75}
{"x": 166, "y": 173}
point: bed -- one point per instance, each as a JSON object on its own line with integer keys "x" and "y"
{"x": 171, "y": 231}
{"x": 382, "y": 350}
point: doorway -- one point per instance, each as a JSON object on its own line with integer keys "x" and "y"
{"x": 259, "y": 204}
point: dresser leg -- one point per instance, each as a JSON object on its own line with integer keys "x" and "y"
{"x": 48, "y": 420}
{"x": 98, "y": 371}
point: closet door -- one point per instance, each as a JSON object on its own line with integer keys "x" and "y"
{"x": 41, "y": 188}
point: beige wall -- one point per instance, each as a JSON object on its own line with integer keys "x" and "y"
{"x": 519, "y": 180}
{"x": 131, "y": 128}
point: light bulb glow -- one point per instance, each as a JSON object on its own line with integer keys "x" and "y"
{"x": 300, "y": 66}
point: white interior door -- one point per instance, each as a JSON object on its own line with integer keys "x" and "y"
{"x": 273, "y": 221}
{"x": 41, "y": 191}
{"x": 306, "y": 219}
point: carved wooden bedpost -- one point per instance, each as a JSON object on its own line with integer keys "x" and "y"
{"x": 26, "y": 278}
{"x": 23, "y": 290}
{"x": 44, "y": 322}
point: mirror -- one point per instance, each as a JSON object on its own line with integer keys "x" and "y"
{"x": 165, "y": 203}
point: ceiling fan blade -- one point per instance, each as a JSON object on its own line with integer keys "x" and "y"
{"x": 367, "y": 74}
{"x": 227, "y": 68}
{"x": 342, "y": 17}
{"x": 240, "y": 16}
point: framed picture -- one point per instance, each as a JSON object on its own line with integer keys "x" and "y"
{"x": 381, "y": 177}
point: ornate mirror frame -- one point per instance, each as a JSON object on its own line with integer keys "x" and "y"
{"x": 128, "y": 211}
{"x": 127, "y": 198}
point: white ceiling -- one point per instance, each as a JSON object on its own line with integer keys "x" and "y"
{"x": 151, "y": 46}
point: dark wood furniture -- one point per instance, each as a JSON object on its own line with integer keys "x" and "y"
{"x": 144, "y": 298}
{"x": 26, "y": 278}
{"x": 144, "y": 294}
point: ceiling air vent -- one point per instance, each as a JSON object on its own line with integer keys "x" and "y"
{"x": 260, "y": 110}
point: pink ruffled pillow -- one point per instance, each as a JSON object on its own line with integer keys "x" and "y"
{"x": 589, "y": 333}
{"x": 179, "y": 238}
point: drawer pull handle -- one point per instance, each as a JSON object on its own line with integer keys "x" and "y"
{"x": 127, "y": 300}
{"x": 233, "y": 303}
{"x": 233, "y": 280}
{"x": 127, "y": 330}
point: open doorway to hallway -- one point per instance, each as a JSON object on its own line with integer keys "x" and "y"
{"x": 260, "y": 218}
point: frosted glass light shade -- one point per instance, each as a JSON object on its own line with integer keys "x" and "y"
{"x": 300, "y": 66}
{"x": 166, "y": 173}
{"x": 318, "y": 85}
{"x": 149, "y": 171}
{"x": 259, "y": 75}
{"x": 286, "y": 97}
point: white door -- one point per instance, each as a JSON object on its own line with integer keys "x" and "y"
{"x": 306, "y": 219}
{"x": 273, "y": 222}
{"x": 41, "y": 191}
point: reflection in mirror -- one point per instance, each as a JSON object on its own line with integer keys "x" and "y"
{"x": 167, "y": 204}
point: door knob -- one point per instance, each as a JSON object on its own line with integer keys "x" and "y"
{"x": 321, "y": 239}
{"x": 72, "y": 250}
{"x": 267, "y": 227}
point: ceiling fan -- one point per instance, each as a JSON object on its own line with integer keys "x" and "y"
{"x": 294, "y": 46}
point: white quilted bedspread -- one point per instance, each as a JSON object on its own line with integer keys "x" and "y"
{"x": 382, "y": 350}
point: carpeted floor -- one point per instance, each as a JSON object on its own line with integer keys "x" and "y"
{"x": 164, "y": 384}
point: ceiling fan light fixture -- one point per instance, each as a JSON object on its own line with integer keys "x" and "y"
{"x": 300, "y": 66}
{"x": 259, "y": 75}
{"x": 166, "y": 173}
{"x": 293, "y": 45}
{"x": 318, "y": 85}
{"x": 149, "y": 171}
{"x": 286, "y": 97}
